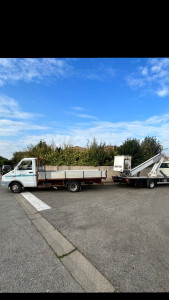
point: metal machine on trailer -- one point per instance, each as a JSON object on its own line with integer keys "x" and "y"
{"x": 158, "y": 175}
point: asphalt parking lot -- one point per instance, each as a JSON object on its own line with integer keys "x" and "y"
{"x": 122, "y": 231}
{"x": 27, "y": 262}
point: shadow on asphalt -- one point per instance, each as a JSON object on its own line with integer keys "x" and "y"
{"x": 85, "y": 188}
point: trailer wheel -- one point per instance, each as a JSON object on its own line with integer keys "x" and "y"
{"x": 151, "y": 184}
{"x": 73, "y": 186}
{"x": 15, "y": 187}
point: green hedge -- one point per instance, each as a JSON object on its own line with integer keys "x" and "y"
{"x": 94, "y": 154}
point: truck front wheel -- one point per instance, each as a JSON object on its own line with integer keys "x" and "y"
{"x": 15, "y": 187}
{"x": 73, "y": 186}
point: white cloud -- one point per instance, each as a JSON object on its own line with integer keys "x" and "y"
{"x": 13, "y": 128}
{"x": 7, "y": 148}
{"x": 144, "y": 71}
{"x": 100, "y": 73}
{"x": 59, "y": 139}
{"x": 13, "y": 70}
{"x": 163, "y": 92}
{"x": 9, "y": 108}
{"x": 77, "y": 108}
{"x": 32, "y": 69}
{"x": 158, "y": 119}
{"x": 155, "y": 69}
{"x": 84, "y": 116}
{"x": 114, "y": 133}
{"x": 13, "y": 120}
{"x": 135, "y": 82}
{"x": 19, "y": 126}
{"x": 154, "y": 76}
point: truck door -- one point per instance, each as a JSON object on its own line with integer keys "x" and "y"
{"x": 164, "y": 168}
{"x": 26, "y": 172}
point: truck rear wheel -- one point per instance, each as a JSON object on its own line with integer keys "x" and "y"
{"x": 15, "y": 187}
{"x": 151, "y": 184}
{"x": 73, "y": 186}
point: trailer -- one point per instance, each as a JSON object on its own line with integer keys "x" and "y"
{"x": 31, "y": 172}
{"x": 158, "y": 175}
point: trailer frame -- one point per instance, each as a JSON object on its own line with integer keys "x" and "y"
{"x": 141, "y": 181}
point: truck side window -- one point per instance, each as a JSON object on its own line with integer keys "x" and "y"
{"x": 164, "y": 165}
{"x": 25, "y": 165}
{"x": 41, "y": 165}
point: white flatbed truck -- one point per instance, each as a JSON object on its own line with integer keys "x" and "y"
{"x": 158, "y": 175}
{"x": 31, "y": 172}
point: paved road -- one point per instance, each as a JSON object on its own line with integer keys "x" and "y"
{"x": 122, "y": 232}
{"x": 28, "y": 264}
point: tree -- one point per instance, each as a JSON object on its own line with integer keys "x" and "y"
{"x": 132, "y": 147}
{"x": 5, "y": 161}
{"x": 17, "y": 156}
{"x": 69, "y": 155}
{"x": 150, "y": 147}
{"x": 95, "y": 154}
{"x": 1, "y": 162}
{"x": 41, "y": 149}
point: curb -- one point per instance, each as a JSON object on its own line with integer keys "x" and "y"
{"x": 90, "y": 279}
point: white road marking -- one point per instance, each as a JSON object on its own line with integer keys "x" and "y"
{"x": 36, "y": 202}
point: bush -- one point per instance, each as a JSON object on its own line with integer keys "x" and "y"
{"x": 94, "y": 154}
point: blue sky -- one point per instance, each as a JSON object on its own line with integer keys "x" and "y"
{"x": 72, "y": 100}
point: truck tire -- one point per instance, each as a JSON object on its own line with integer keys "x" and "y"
{"x": 73, "y": 186}
{"x": 151, "y": 184}
{"x": 15, "y": 187}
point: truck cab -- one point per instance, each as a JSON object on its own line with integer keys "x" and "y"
{"x": 164, "y": 169}
{"x": 23, "y": 175}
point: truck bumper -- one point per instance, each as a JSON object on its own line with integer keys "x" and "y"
{"x": 5, "y": 184}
